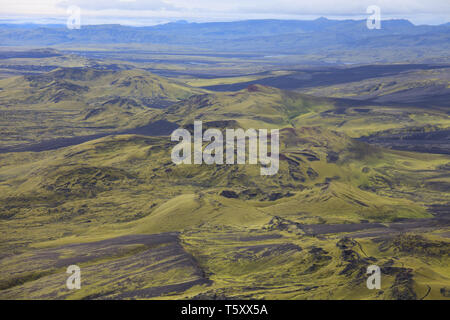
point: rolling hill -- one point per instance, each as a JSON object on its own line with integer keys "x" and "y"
{"x": 110, "y": 199}
{"x": 227, "y": 220}
{"x": 68, "y": 102}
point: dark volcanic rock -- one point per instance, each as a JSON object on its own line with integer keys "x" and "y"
{"x": 229, "y": 194}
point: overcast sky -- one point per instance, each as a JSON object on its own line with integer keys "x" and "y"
{"x": 150, "y": 12}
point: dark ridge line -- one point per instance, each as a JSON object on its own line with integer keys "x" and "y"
{"x": 155, "y": 129}
{"x": 428, "y": 292}
{"x": 327, "y": 76}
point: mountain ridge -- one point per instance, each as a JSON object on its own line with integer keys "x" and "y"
{"x": 222, "y": 35}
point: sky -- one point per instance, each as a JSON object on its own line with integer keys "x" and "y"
{"x": 151, "y": 12}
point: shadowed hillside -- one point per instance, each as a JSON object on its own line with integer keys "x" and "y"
{"x": 69, "y": 102}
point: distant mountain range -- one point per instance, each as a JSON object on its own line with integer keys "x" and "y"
{"x": 262, "y": 36}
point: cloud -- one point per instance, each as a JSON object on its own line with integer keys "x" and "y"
{"x": 317, "y": 7}
{"x": 138, "y": 5}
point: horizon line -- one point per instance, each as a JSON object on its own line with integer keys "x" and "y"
{"x": 186, "y": 21}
